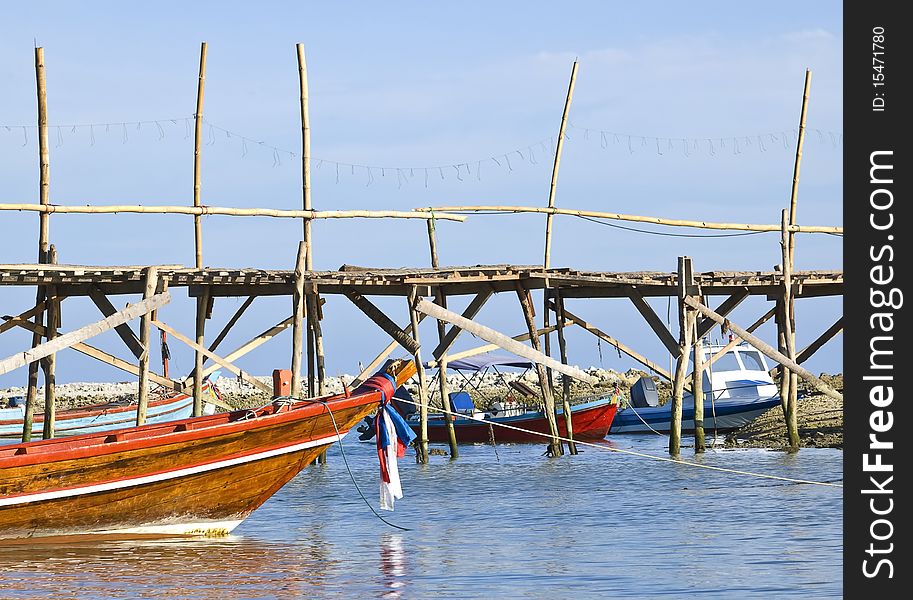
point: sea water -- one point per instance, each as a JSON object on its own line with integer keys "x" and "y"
{"x": 501, "y": 521}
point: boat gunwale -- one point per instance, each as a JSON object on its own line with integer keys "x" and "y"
{"x": 184, "y": 430}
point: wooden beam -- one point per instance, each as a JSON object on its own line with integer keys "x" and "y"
{"x": 382, "y": 321}
{"x": 438, "y": 210}
{"x": 575, "y": 320}
{"x": 246, "y": 347}
{"x": 658, "y": 327}
{"x": 489, "y": 347}
{"x": 421, "y": 456}
{"x": 231, "y": 323}
{"x": 93, "y": 352}
{"x": 501, "y": 340}
{"x": 735, "y": 342}
{"x": 35, "y": 310}
{"x": 767, "y": 350}
{"x": 726, "y": 307}
{"x": 68, "y": 339}
{"x": 822, "y": 339}
{"x": 124, "y": 331}
{"x": 374, "y": 364}
{"x": 201, "y": 316}
{"x": 215, "y": 358}
{"x": 471, "y": 311}
{"x": 560, "y": 322}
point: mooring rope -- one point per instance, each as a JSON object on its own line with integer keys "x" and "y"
{"x": 346, "y": 462}
{"x": 677, "y": 461}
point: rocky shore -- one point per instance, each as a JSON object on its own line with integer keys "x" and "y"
{"x": 820, "y": 417}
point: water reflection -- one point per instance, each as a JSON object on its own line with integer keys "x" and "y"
{"x": 224, "y": 569}
{"x": 392, "y": 565}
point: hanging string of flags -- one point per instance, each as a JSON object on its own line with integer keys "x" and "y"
{"x": 529, "y": 155}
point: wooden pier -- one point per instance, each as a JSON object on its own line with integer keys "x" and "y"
{"x": 691, "y": 288}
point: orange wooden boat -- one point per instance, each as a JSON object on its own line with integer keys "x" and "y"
{"x": 198, "y": 476}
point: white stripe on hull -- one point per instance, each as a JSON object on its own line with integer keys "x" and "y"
{"x": 733, "y": 421}
{"x": 207, "y": 528}
{"x": 167, "y": 475}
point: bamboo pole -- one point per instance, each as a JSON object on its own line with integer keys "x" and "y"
{"x": 215, "y": 358}
{"x": 298, "y": 311}
{"x": 381, "y": 357}
{"x": 489, "y": 347}
{"x": 202, "y": 308}
{"x": 145, "y": 340}
{"x": 697, "y": 391}
{"x": 555, "y": 166}
{"x": 475, "y": 305}
{"x": 50, "y": 362}
{"x": 685, "y": 328}
{"x": 441, "y": 300}
{"x": 305, "y": 150}
{"x": 197, "y": 140}
{"x": 565, "y": 381}
{"x": 790, "y": 381}
{"x": 767, "y": 351}
{"x": 794, "y": 191}
{"x": 555, "y": 446}
{"x": 126, "y": 334}
{"x": 44, "y": 186}
{"x": 421, "y": 456}
{"x": 512, "y": 345}
{"x": 227, "y": 211}
{"x": 622, "y": 217}
{"x": 246, "y": 347}
{"x": 736, "y": 340}
{"x": 99, "y": 355}
{"x": 66, "y": 340}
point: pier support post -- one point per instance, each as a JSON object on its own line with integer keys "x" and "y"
{"x": 421, "y": 446}
{"x": 298, "y": 312}
{"x": 697, "y": 390}
{"x": 441, "y": 300}
{"x": 560, "y": 319}
{"x": 50, "y": 362}
{"x": 790, "y": 380}
{"x": 145, "y": 340}
{"x": 686, "y": 322}
{"x": 314, "y": 315}
{"x": 555, "y": 446}
{"x": 204, "y": 301}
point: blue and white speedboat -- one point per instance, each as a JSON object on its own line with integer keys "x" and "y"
{"x": 737, "y": 388}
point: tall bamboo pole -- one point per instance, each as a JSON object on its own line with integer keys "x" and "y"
{"x": 441, "y": 300}
{"x": 554, "y": 183}
{"x": 50, "y": 362}
{"x": 559, "y": 145}
{"x": 305, "y": 150}
{"x": 421, "y": 454}
{"x": 202, "y": 309}
{"x": 197, "y": 139}
{"x": 145, "y": 339}
{"x": 792, "y": 426}
{"x": 44, "y": 183}
{"x": 789, "y": 256}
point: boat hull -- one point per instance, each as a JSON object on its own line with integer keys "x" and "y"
{"x": 730, "y": 415}
{"x": 100, "y": 417}
{"x": 590, "y": 421}
{"x": 199, "y": 476}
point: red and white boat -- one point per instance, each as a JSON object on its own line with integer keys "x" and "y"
{"x": 198, "y": 476}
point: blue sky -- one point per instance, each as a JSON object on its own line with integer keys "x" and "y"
{"x": 466, "y": 97}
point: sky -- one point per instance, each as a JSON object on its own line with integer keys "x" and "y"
{"x": 681, "y": 110}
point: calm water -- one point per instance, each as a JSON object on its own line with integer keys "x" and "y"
{"x": 511, "y": 524}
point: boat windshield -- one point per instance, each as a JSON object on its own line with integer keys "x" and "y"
{"x": 727, "y": 362}
{"x": 752, "y": 360}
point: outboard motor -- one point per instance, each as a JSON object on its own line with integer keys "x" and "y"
{"x": 644, "y": 394}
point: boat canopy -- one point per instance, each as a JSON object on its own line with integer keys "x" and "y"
{"x": 483, "y": 361}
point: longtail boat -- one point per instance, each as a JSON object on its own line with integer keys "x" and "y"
{"x": 108, "y": 415}
{"x": 195, "y": 477}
